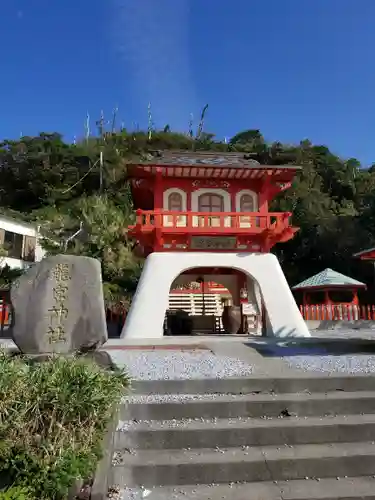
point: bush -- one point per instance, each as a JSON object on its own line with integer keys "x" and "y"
{"x": 53, "y": 416}
{"x": 15, "y": 493}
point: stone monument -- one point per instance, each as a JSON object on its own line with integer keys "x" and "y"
{"x": 58, "y": 306}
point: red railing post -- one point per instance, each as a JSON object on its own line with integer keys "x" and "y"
{"x": 138, "y": 218}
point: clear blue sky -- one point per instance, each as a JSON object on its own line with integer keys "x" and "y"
{"x": 292, "y": 68}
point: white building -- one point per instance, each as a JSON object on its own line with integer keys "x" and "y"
{"x": 21, "y": 241}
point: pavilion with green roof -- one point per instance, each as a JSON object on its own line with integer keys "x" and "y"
{"x": 329, "y": 287}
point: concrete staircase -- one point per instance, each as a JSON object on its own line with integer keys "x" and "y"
{"x": 291, "y": 438}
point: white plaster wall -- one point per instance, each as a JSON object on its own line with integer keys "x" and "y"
{"x": 40, "y": 253}
{"x": 147, "y": 312}
{"x": 17, "y": 227}
{"x": 255, "y": 297}
{"x": 12, "y": 263}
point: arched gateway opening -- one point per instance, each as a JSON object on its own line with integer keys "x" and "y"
{"x": 147, "y": 314}
{"x": 206, "y": 301}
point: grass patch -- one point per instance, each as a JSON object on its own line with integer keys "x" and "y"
{"x": 53, "y": 416}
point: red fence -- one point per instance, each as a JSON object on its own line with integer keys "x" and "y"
{"x": 5, "y": 313}
{"x": 337, "y": 312}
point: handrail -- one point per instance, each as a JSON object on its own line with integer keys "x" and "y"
{"x": 150, "y": 219}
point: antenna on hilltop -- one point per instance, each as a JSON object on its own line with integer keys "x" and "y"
{"x": 201, "y": 122}
{"x": 191, "y": 121}
{"x": 87, "y": 127}
{"x": 100, "y": 124}
{"x": 150, "y": 123}
{"x": 114, "y": 116}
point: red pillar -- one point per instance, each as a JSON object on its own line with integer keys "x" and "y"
{"x": 158, "y": 207}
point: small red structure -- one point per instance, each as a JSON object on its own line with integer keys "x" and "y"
{"x": 330, "y": 295}
{"x": 368, "y": 254}
{"x": 198, "y": 201}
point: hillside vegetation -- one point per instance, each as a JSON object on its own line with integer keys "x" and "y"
{"x": 62, "y": 187}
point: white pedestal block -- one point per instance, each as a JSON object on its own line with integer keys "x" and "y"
{"x": 146, "y": 316}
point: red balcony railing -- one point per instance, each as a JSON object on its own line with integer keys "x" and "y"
{"x": 337, "y": 312}
{"x": 210, "y": 221}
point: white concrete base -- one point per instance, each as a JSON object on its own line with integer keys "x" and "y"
{"x": 147, "y": 312}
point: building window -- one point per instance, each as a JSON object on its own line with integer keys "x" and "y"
{"x": 175, "y": 202}
{"x": 13, "y": 244}
{"x": 210, "y": 202}
{"x": 18, "y": 246}
{"x": 246, "y": 203}
{"x": 29, "y": 245}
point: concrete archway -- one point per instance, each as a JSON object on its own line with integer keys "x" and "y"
{"x": 146, "y": 315}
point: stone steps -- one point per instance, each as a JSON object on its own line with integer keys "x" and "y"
{"x": 326, "y": 489}
{"x": 319, "y": 382}
{"x": 251, "y": 405}
{"x": 176, "y": 434}
{"x": 268, "y": 463}
{"x": 183, "y": 442}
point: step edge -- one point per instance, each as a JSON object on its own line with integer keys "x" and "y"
{"x": 222, "y": 424}
{"x": 361, "y": 484}
{"x": 258, "y": 454}
{"x": 256, "y": 397}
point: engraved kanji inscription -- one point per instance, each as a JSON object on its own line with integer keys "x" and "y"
{"x": 60, "y": 293}
{"x": 62, "y": 272}
{"x": 59, "y": 312}
{"x": 56, "y": 334}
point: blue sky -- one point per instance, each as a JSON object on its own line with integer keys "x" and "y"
{"x": 292, "y": 68}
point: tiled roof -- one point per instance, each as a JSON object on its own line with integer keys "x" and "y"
{"x": 209, "y": 159}
{"x": 326, "y": 278}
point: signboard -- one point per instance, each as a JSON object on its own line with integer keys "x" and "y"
{"x": 213, "y": 243}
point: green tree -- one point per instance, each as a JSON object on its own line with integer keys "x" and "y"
{"x": 103, "y": 236}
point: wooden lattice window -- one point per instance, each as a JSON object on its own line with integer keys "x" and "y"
{"x": 210, "y": 202}
{"x": 175, "y": 202}
{"x": 247, "y": 203}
